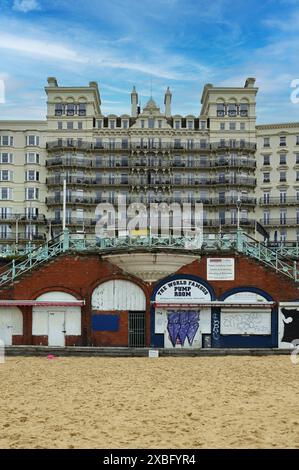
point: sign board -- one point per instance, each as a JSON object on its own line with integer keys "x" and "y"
{"x": 183, "y": 291}
{"x": 153, "y": 353}
{"x": 220, "y": 269}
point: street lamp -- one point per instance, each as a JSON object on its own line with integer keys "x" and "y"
{"x": 238, "y": 204}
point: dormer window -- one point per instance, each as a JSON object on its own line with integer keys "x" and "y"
{"x": 70, "y": 109}
{"x": 243, "y": 109}
{"x": 160, "y": 125}
{"x": 142, "y": 123}
{"x": 112, "y": 124}
{"x": 177, "y": 124}
{"x": 232, "y": 109}
{"x": 82, "y": 109}
{"x": 58, "y": 109}
{"x": 99, "y": 123}
{"x": 202, "y": 125}
{"x": 190, "y": 124}
{"x": 220, "y": 110}
{"x": 151, "y": 123}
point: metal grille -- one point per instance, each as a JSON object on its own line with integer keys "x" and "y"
{"x": 136, "y": 329}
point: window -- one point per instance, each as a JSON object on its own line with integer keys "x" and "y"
{"x": 82, "y": 109}
{"x": 6, "y": 175}
{"x": 283, "y": 217}
{"x": 297, "y": 139}
{"x": 242, "y": 126}
{"x": 124, "y": 144}
{"x": 222, "y": 126}
{"x": 142, "y": 123}
{"x": 80, "y": 125}
{"x": 112, "y": 124}
{"x": 297, "y": 175}
{"x": 32, "y": 175}
{"x": 266, "y": 141}
{"x": 297, "y": 158}
{"x": 70, "y": 125}
{"x": 32, "y": 158}
{"x": 59, "y": 109}
{"x": 177, "y": 124}
{"x": 190, "y": 124}
{"x": 282, "y": 196}
{"x": 60, "y": 125}
{"x": 32, "y": 140}
{"x": 31, "y": 193}
{"x": 5, "y": 231}
{"x": 283, "y": 235}
{"x": 125, "y": 124}
{"x": 282, "y": 141}
{"x": 5, "y": 193}
{"x": 202, "y": 125}
{"x": 232, "y": 110}
{"x": 266, "y": 177}
{"x": 189, "y": 144}
{"x": 297, "y": 216}
{"x": 70, "y": 109}
{"x": 266, "y": 160}
{"x": 283, "y": 159}
{"x": 266, "y": 197}
{"x": 6, "y": 141}
{"x": 266, "y": 217}
{"x": 232, "y": 126}
{"x": 5, "y": 212}
{"x": 6, "y": 157}
{"x": 177, "y": 143}
{"x": 151, "y": 123}
{"x": 220, "y": 109}
{"x": 297, "y": 195}
{"x": 203, "y": 143}
{"x": 99, "y": 123}
{"x": 243, "y": 109}
{"x": 160, "y": 124}
{"x": 283, "y": 176}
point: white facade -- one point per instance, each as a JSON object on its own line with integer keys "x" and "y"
{"x": 216, "y": 158}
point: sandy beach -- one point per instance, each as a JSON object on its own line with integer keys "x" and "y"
{"x": 200, "y": 402}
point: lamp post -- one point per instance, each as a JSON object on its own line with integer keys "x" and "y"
{"x": 238, "y": 204}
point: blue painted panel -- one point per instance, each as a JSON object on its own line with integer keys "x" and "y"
{"x": 105, "y": 322}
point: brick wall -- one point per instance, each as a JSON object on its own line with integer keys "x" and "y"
{"x": 79, "y": 275}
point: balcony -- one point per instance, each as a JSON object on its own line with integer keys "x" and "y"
{"x": 74, "y": 200}
{"x": 277, "y": 201}
{"x": 74, "y": 144}
{"x": 74, "y": 221}
{"x": 21, "y": 236}
{"x": 22, "y": 218}
{"x": 287, "y": 222}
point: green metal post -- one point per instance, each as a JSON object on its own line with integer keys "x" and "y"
{"x": 13, "y": 271}
{"x": 66, "y": 239}
{"x": 239, "y": 240}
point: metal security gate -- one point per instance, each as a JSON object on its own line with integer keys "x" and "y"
{"x": 136, "y": 329}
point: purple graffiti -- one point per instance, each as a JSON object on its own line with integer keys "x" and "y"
{"x": 182, "y": 324}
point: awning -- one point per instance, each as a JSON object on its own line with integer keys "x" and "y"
{"x": 216, "y": 303}
{"x": 41, "y": 303}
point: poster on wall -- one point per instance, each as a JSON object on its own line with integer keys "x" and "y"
{"x": 288, "y": 325}
{"x": 220, "y": 269}
{"x": 248, "y": 322}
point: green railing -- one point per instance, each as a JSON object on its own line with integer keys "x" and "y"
{"x": 267, "y": 255}
{"x": 34, "y": 258}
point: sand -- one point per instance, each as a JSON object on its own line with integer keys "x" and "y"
{"x": 200, "y": 402}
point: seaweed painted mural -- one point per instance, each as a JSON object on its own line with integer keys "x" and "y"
{"x": 182, "y": 324}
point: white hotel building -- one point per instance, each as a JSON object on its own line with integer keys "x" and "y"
{"x": 150, "y": 155}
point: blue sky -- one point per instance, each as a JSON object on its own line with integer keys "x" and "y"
{"x": 120, "y": 43}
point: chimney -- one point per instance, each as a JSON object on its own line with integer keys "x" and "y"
{"x": 167, "y": 102}
{"x": 134, "y": 101}
{"x": 52, "y": 82}
{"x": 249, "y": 83}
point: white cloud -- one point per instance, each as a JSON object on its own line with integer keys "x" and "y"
{"x": 25, "y": 5}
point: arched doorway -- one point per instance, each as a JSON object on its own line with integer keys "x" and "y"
{"x": 58, "y": 324}
{"x": 119, "y": 314}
